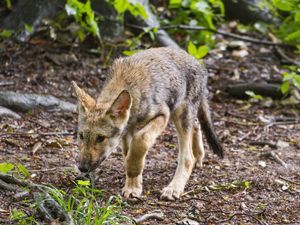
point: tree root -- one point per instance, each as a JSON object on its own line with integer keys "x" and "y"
{"x": 265, "y": 89}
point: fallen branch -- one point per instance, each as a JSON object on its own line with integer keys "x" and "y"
{"x": 288, "y": 180}
{"x": 264, "y": 143}
{"x": 265, "y": 89}
{"x": 155, "y": 216}
{"x": 26, "y": 102}
{"x": 275, "y": 157}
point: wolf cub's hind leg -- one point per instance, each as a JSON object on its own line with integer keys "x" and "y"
{"x": 198, "y": 148}
{"x": 184, "y": 123}
{"x": 135, "y": 159}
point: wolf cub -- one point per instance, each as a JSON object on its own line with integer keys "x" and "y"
{"x": 142, "y": 93}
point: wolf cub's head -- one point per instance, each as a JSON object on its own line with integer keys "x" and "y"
{"x": 100, "y": 125}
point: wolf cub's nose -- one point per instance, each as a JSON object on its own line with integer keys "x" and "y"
{"x": 84, "y": 168}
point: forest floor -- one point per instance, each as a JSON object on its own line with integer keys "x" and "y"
{"x": 245, "y": 187}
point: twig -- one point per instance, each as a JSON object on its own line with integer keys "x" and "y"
{"x": 8, "y": 83}
{"x": 263, "y": 143}
{"x": 157, "y": 216}
{"x": 225, "y": 34}
{"x": 276, "y": 158}
{"x": 240, "y": 214}
{"x": 43, "y": 170}
{"x": 194, "y": 191}
{"x": 290, "y": 181}
{"x": 193, "y": 198}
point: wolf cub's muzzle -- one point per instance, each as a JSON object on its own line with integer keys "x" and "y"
{"x": 84, "y": 167}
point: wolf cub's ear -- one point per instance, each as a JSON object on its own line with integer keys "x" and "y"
{"x": 121, "y": 105}
{"x": 85, "y": 101}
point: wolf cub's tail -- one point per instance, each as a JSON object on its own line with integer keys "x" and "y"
{"x": 207, "y": 127}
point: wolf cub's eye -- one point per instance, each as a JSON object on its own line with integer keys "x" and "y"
{"x": 100, "y": 138}
{"x": 81, "y": 136}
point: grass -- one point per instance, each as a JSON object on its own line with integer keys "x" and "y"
{"x": 83, "y": 204}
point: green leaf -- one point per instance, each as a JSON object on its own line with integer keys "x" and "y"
{"x": 202, "y": 51}
{"x": 192, "y": 49}
{"x": 28, "y": 28}
{"x": 23, "y": 170}
{"x": 128, "y": 53}
{"x": 200, "y": 6}
{"x": 284, "y": 5}
{"x": 253, "y": 95}
{"x": 285, "y": 86}
{"x": 84, "y": 182}
{"x": 246, "y": 184}
{"x": 296, "y": 81}
{"x": 121, "y": 5}
{"x": 8, "y": 4}
{"x": 6, "y": 33}
{"x": 173, "y": 4}
{"x": 297, "y": 16}
{"x": 6, "y": 167}
{"x": 17, "y": 214}
{"x": 293, "y": 36}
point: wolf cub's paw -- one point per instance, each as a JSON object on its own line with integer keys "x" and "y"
{"x": 133, "y": 187}
{"x": 170, "y": 194}
{"x": 128, "y": 192}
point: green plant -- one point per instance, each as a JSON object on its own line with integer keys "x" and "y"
{"x": 21, "y": 218}
{"x": 4, "y": 34}
{"x": 133, "y": 6}
{"x": 18, "y": 169}
{"x": 199, "y": 52}
{"x": 84, "y": 15}
{"x": 197, "y": 13}
{"x": 289, "y": 30}
{"x": 8, "y": 4}
{"x": 82, "y": 203}
{"x": 290, "y": 80}
{"x": 253, "y": 95}
{"x": 288, "y": 11}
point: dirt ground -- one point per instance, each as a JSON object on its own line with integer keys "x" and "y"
{"x": 273, "y": 195}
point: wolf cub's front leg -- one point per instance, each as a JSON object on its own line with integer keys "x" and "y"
{"x": 135, "y": 159}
